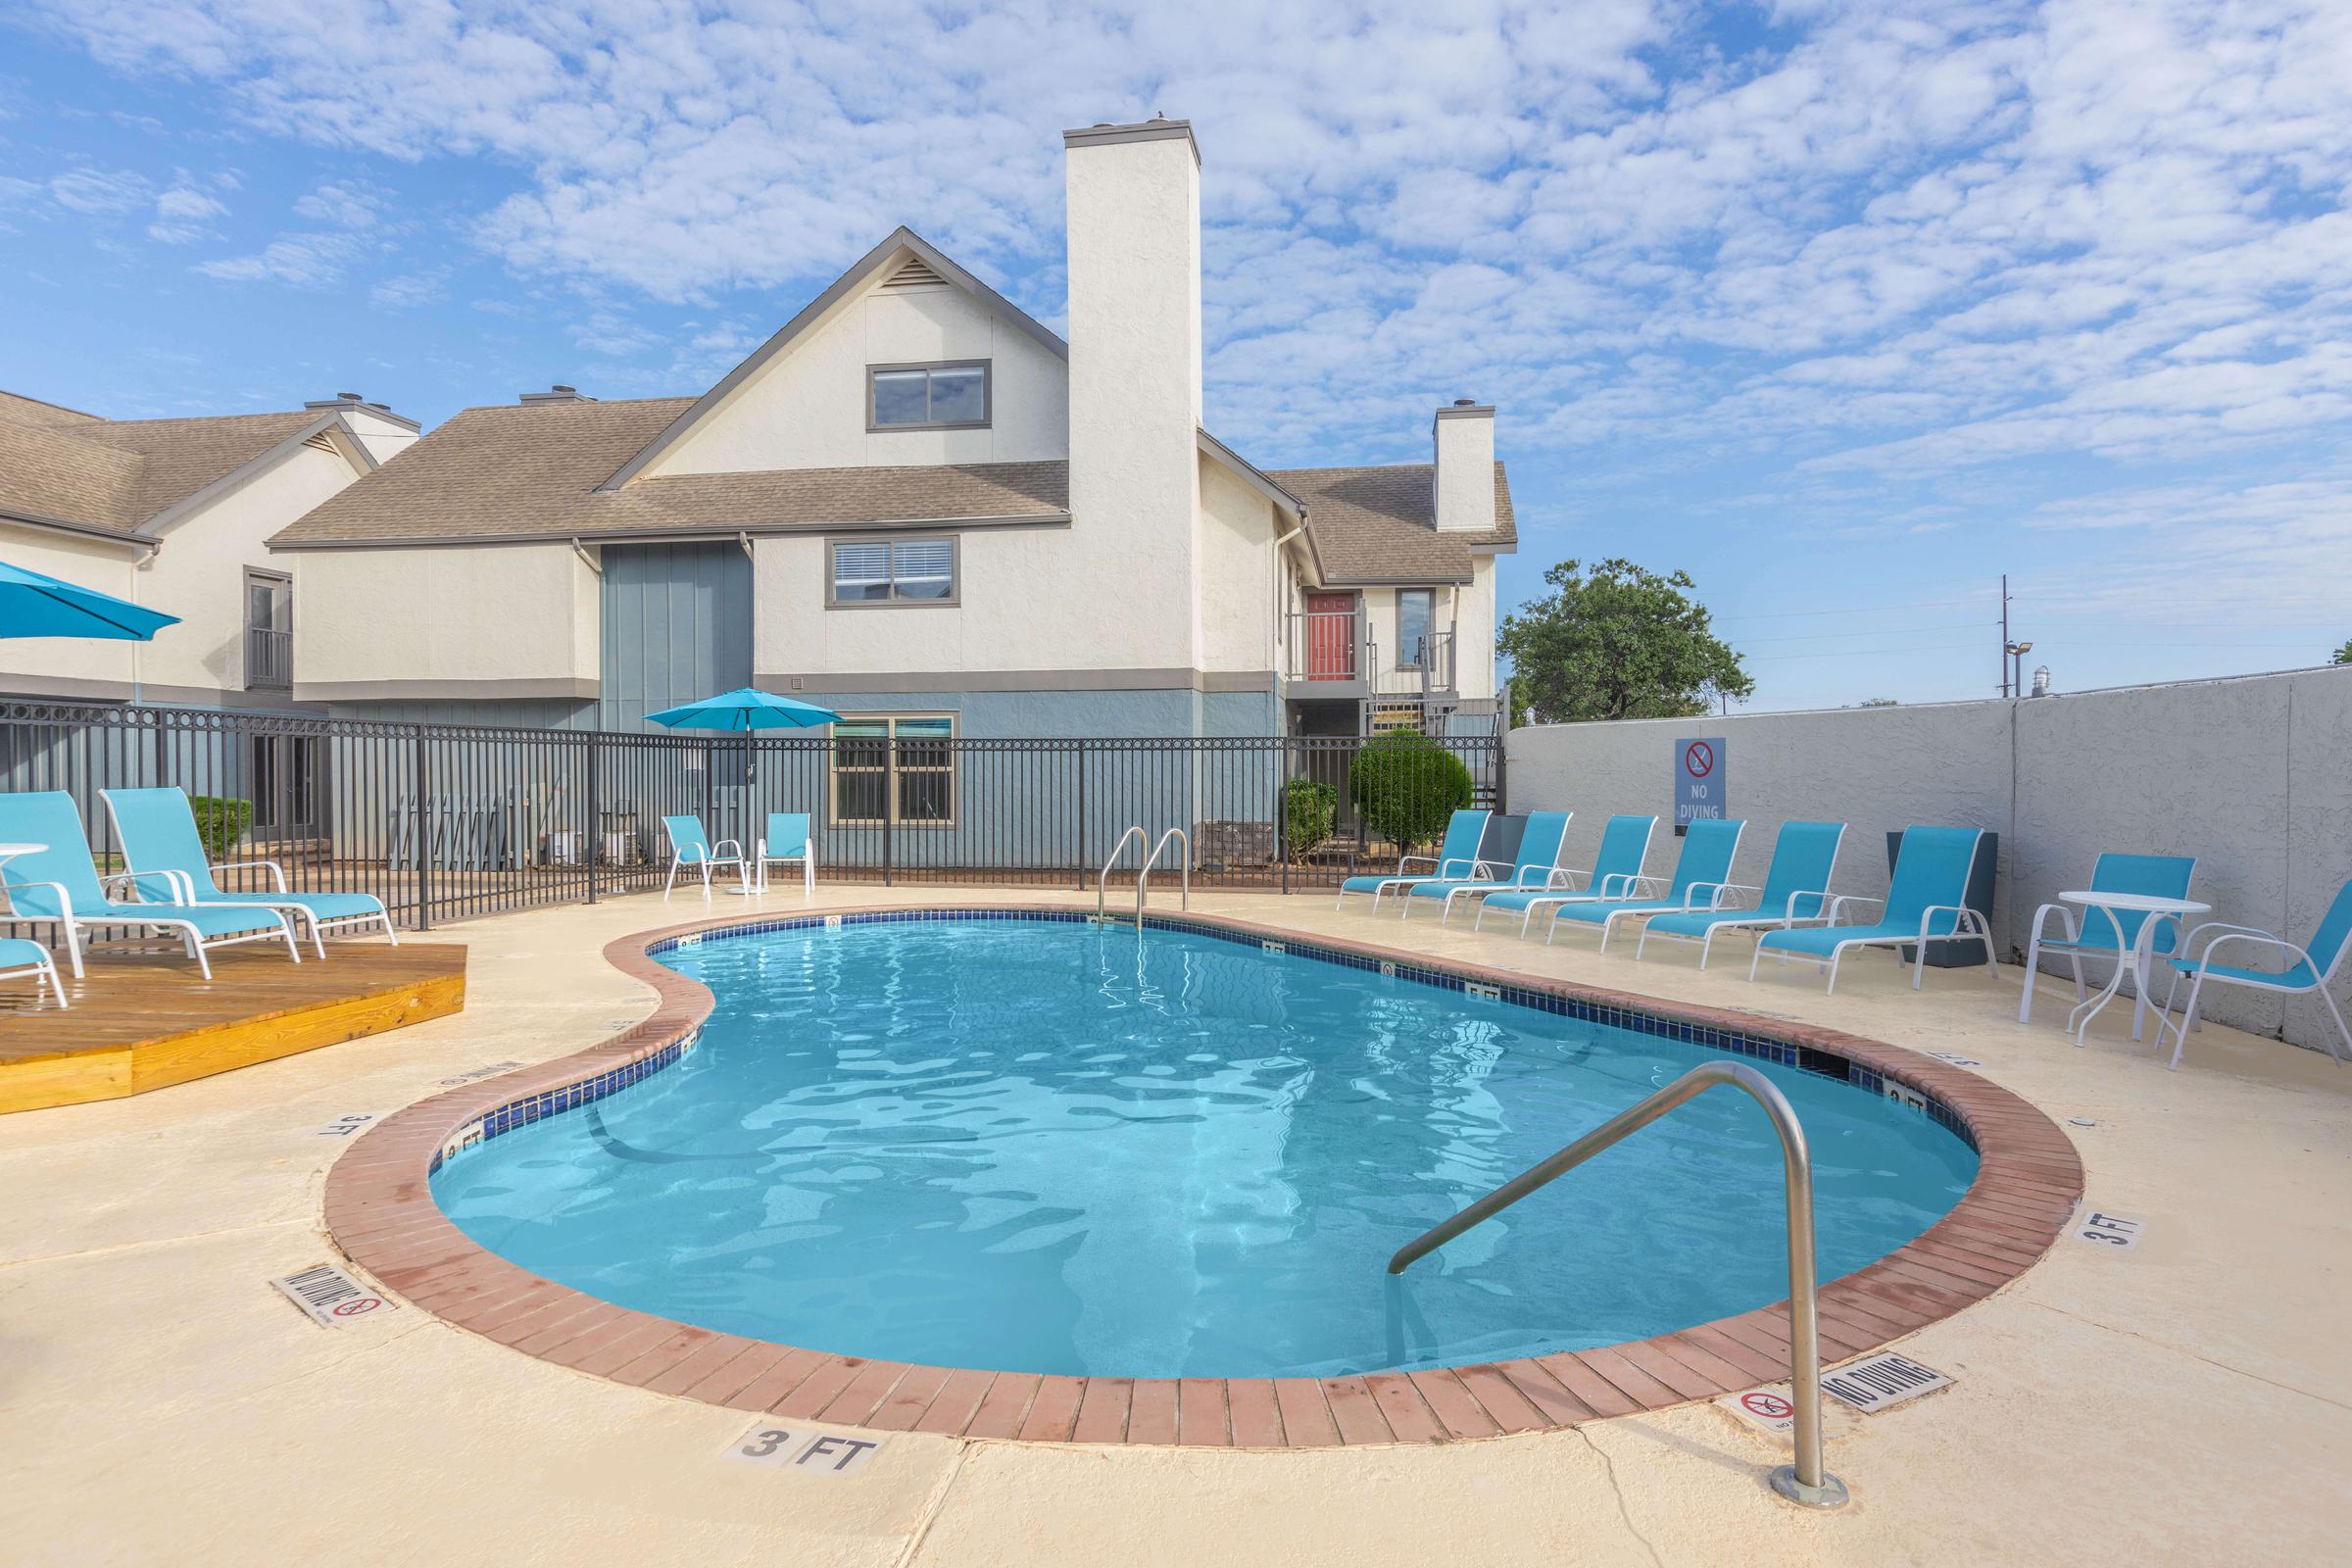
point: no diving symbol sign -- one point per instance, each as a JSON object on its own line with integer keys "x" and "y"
{"x": 1700, "y": 787}
{"x": 1767, "y": 1409}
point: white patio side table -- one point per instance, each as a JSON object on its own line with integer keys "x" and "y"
{"x": 2137, "y": 960}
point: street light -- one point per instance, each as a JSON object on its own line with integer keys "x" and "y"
{"x": 2017, "y": 656}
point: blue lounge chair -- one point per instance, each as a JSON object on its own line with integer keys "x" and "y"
{"x": 2315, "y": 966}
{"x": 1616, "y": 874}
{"x": 1456, "y": 858}
{"x": 20, "y": 957}
{"x": 1702, "y": 875}
{"x": 1795, "y": 891}
{"x": 157, "y": 829}
{"x": 1538, "y": 861}
{"x": 59, "y": 884}
{"x": 787, "y": 840}
{"x": 1926, "y": 900}
{"x": 690, "y": 845}
{"x": 2100, "y": 934}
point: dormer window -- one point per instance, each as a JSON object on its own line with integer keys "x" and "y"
{"x": 948, "y": 396}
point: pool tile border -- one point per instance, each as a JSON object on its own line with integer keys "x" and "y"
{"x": 379, "y": 1211}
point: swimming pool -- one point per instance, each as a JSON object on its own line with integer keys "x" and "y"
{"x": 1036, "y": 1144}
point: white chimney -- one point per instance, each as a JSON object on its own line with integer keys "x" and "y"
{"x": 1463, "y": 476}
{"x": 1134, "y": 213}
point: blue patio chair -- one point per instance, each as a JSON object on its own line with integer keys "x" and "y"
{"x": 2315, "y": 966}
{"x": 1926, "y": 900}
{"x": 20, "y": 957}
{"x": 690, "y": 845}
{"x": 1702, "y": 880}
{"x": 1538, "y": 860}
{"x": 787, "y": 840}
{"x": 1456, "y": 858}
{"x": 157, "y": 829}
{"x": 1795, "y": 891}
{"x": 2100, "y": 934}
{"x": 60, "y": 884}
{"x": 1616, "y": 873}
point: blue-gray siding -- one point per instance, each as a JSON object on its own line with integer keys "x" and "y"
{"x": 678, "y": 626}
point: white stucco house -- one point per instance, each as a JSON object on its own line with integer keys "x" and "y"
{"x": 920, "y": 505}
{"x": 175, "y": 514}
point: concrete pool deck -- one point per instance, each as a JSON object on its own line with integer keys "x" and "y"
{"x": 2183, "y": 1399}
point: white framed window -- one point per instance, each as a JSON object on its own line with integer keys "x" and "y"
{"x": 898, "y": 768}
{"x": 865, "y": 573}
{"x": 1416, "y": 608}
{"x": 952, "y": 395}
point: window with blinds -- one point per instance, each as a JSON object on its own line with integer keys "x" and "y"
{"x": 896, "y": 769}
{"x": 894, "y": 571}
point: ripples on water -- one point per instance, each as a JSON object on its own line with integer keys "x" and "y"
{"x": 1053, "y": 1147}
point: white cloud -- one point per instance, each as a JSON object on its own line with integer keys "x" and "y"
{"x": 298, "y": 261}
{"x": 344, "y": 206}
{"x": 1908, "y": 244}
{"x": 185, "y": 213}
{"x": 101, "y": 193}
{"x": 410, "y": 289}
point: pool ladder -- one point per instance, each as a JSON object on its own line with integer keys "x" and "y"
{"x": 1143, "y": 878}
{"x": 1804, "y": 1481}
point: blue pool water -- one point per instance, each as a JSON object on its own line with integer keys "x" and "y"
{"x": 1046, "y": 1147}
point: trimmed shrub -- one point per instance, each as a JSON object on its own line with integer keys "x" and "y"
{"x": 1309, "y": 807}
{"x": 221, "y": 821}
{"x": 1407, "y": 786}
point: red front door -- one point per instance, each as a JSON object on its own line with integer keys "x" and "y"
{"x": 1330, "y": 636}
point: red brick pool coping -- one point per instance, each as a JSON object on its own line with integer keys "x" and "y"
{"x": 382, "y": 1213}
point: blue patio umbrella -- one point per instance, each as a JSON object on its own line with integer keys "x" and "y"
{"x": 35, "y": 606}
{"x": 745, "y": 708}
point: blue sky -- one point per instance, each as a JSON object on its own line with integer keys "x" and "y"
{"x": 1844, "y": 313}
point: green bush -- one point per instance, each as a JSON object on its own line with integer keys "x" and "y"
{"x": 1407, "y": 786}
{"x": 1309, "y": 807}
{"x": 221, "y": 821}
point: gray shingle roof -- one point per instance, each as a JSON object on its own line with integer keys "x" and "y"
{"x": 112, "y": 476}
{"x": 1379, "y": 525}
{"x": 524, "y": 472}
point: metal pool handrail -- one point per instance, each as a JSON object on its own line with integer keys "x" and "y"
{"x": 1144, "y": 877}
{"x": 1103, "y": 882}
{"x": 1805, "y": 1481}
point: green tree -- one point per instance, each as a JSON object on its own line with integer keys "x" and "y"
{"x": 2344, "y": 655}
{"x": 1407, "y": 786}
{"x": 1617, "y": 641}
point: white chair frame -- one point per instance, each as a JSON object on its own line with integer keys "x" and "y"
{"x": 1968, "y": 927}
{"x": 806, "y": 857}
{"x": 300, "y": 916}
{"x": 47, "y": 970}
{"x": 2188, "y": 1020}
{"x": 1616, "y": 885}
{"x": 196, "y": 942}
{"x": 1786, "y": 921}
{"x": 1689, "y": 905}
{"x": 704, "y": 860}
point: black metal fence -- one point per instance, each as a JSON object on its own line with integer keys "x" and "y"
{"x": 444, "y": 821}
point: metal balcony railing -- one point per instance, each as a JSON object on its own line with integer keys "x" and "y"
{"x": 1424, "y": 669}
{"x": 268, "y": 660}
{"x": 1326, "y": 645}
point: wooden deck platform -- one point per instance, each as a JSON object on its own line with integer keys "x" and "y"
{"x": 144, "y": 1020}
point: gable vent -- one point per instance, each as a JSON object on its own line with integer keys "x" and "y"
{"x": 915, "y": 273}
{"x": 319, "y": 442}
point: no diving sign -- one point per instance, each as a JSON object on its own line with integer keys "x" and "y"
{"x": 1699, "y": 780}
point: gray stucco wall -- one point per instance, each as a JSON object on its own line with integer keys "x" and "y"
{"x": 2252, "y": 775}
